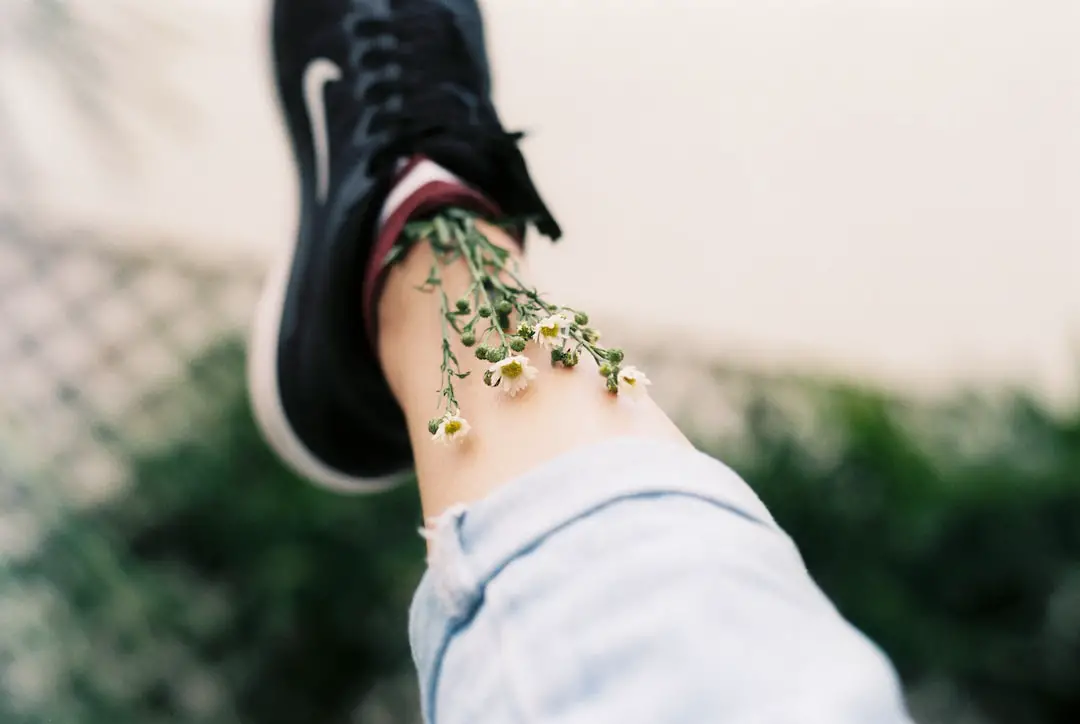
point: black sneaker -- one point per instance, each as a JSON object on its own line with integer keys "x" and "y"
{"x": 367, "y": 85}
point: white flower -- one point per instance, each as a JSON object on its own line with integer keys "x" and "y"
{"x": 633, "y": 381}
{"x": 451, "y": 429}
{"x": 512, "y": 374}
{"x": 553, "y": 331}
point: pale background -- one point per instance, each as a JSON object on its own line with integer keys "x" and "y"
{"x": 882, "y": 188}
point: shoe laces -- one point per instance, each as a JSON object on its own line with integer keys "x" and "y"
{"x": 417, "y": 76}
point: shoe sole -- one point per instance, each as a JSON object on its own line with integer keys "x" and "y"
{"x": 266, "y": 403}
{"x": 264, "y": 391}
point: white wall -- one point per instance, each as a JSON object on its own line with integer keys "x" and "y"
{"x": 883, "y": 187}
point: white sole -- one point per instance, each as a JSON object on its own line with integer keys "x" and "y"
{"x": 262, "y": 377}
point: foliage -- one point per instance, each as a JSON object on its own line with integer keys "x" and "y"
{"x": 949, "y": 533}
{"x": 219, "y": 588}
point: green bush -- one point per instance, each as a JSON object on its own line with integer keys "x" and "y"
{"x": 222, "y": 588}
{"x": 949, "y": 533}
{"x": 219, "y": 588}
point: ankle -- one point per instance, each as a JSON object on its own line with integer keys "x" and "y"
{"x": 408, "y": 321}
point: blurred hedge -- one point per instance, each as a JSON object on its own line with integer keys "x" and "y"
{"x": 219, "y": 588}
{"x": 949, "y": 533}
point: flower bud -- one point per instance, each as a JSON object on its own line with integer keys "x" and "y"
{"x": 606, "y": 370}
{"x": 463, "y": 305}
{"x": 496, "y": 354}
{"x": 612, "y": 385}
{"x": 581, "y": 319}
{"x": 525, "y": 331}
{"x": 482, "y": 352}
{"x": 615, "y": 355}
{"x": 557, "y": 356}
{"x": 570, "y": 359}
{"x": 503, "y": 307}
{"x": 468, "y": 338}
{"x": 484, "y": 312}
{"x": 433, "y": 425}
{"x": 517, "y": 344}
{"x": 590, "y": 335}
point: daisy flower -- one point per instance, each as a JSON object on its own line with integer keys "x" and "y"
{"x": 451, "y": 429}
{"x": 633, "y": 381}
{"x": 514, "y": 374}
{"x": 553, "y": 331}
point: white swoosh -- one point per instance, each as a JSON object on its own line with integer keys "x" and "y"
{"x": 318, "y": 73}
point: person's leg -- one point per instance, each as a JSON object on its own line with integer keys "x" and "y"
{"x": 566, "y": 409}
{"x": 587, "y": 565}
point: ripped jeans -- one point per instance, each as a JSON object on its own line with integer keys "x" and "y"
{"x": 634, "y": 581}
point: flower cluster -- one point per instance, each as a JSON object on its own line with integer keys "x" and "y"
{"x": 502, "y": 318}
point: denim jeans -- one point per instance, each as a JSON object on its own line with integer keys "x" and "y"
{"x": 634, "y": 581}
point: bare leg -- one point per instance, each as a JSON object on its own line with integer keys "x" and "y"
{"x": 634, "y": 582}
{"x": 564, "y": 410}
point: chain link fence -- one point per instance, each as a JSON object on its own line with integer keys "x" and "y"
{"x": 96, "y": 348}
{"x": 157, "y": 564}
{"x": 93, "y": 340}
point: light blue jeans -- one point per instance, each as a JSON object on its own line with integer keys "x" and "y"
{"x": 634, "y": 581}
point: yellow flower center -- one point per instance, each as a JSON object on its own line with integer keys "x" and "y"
{"x": 512, "y": 369}
{"x": 630, "y": 380}
{"x": 550, "y": 331}
{"x": 452, "y": 426}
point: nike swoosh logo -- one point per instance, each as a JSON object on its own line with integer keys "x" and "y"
{"x": 318, "y": 73}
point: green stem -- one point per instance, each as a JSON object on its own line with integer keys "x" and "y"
{"x": 595, "y": 351}
{"x": 447, "y": 391}
{"x": 478, "y": 279}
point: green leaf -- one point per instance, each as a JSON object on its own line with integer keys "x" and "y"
{"x": 418, "y": 230}
{"x": 442, "y": 230}
{"x": 396, "y": 252}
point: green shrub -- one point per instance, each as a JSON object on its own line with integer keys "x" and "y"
{"x": 949, "y": 533}
{"x": 219, "y": 588}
